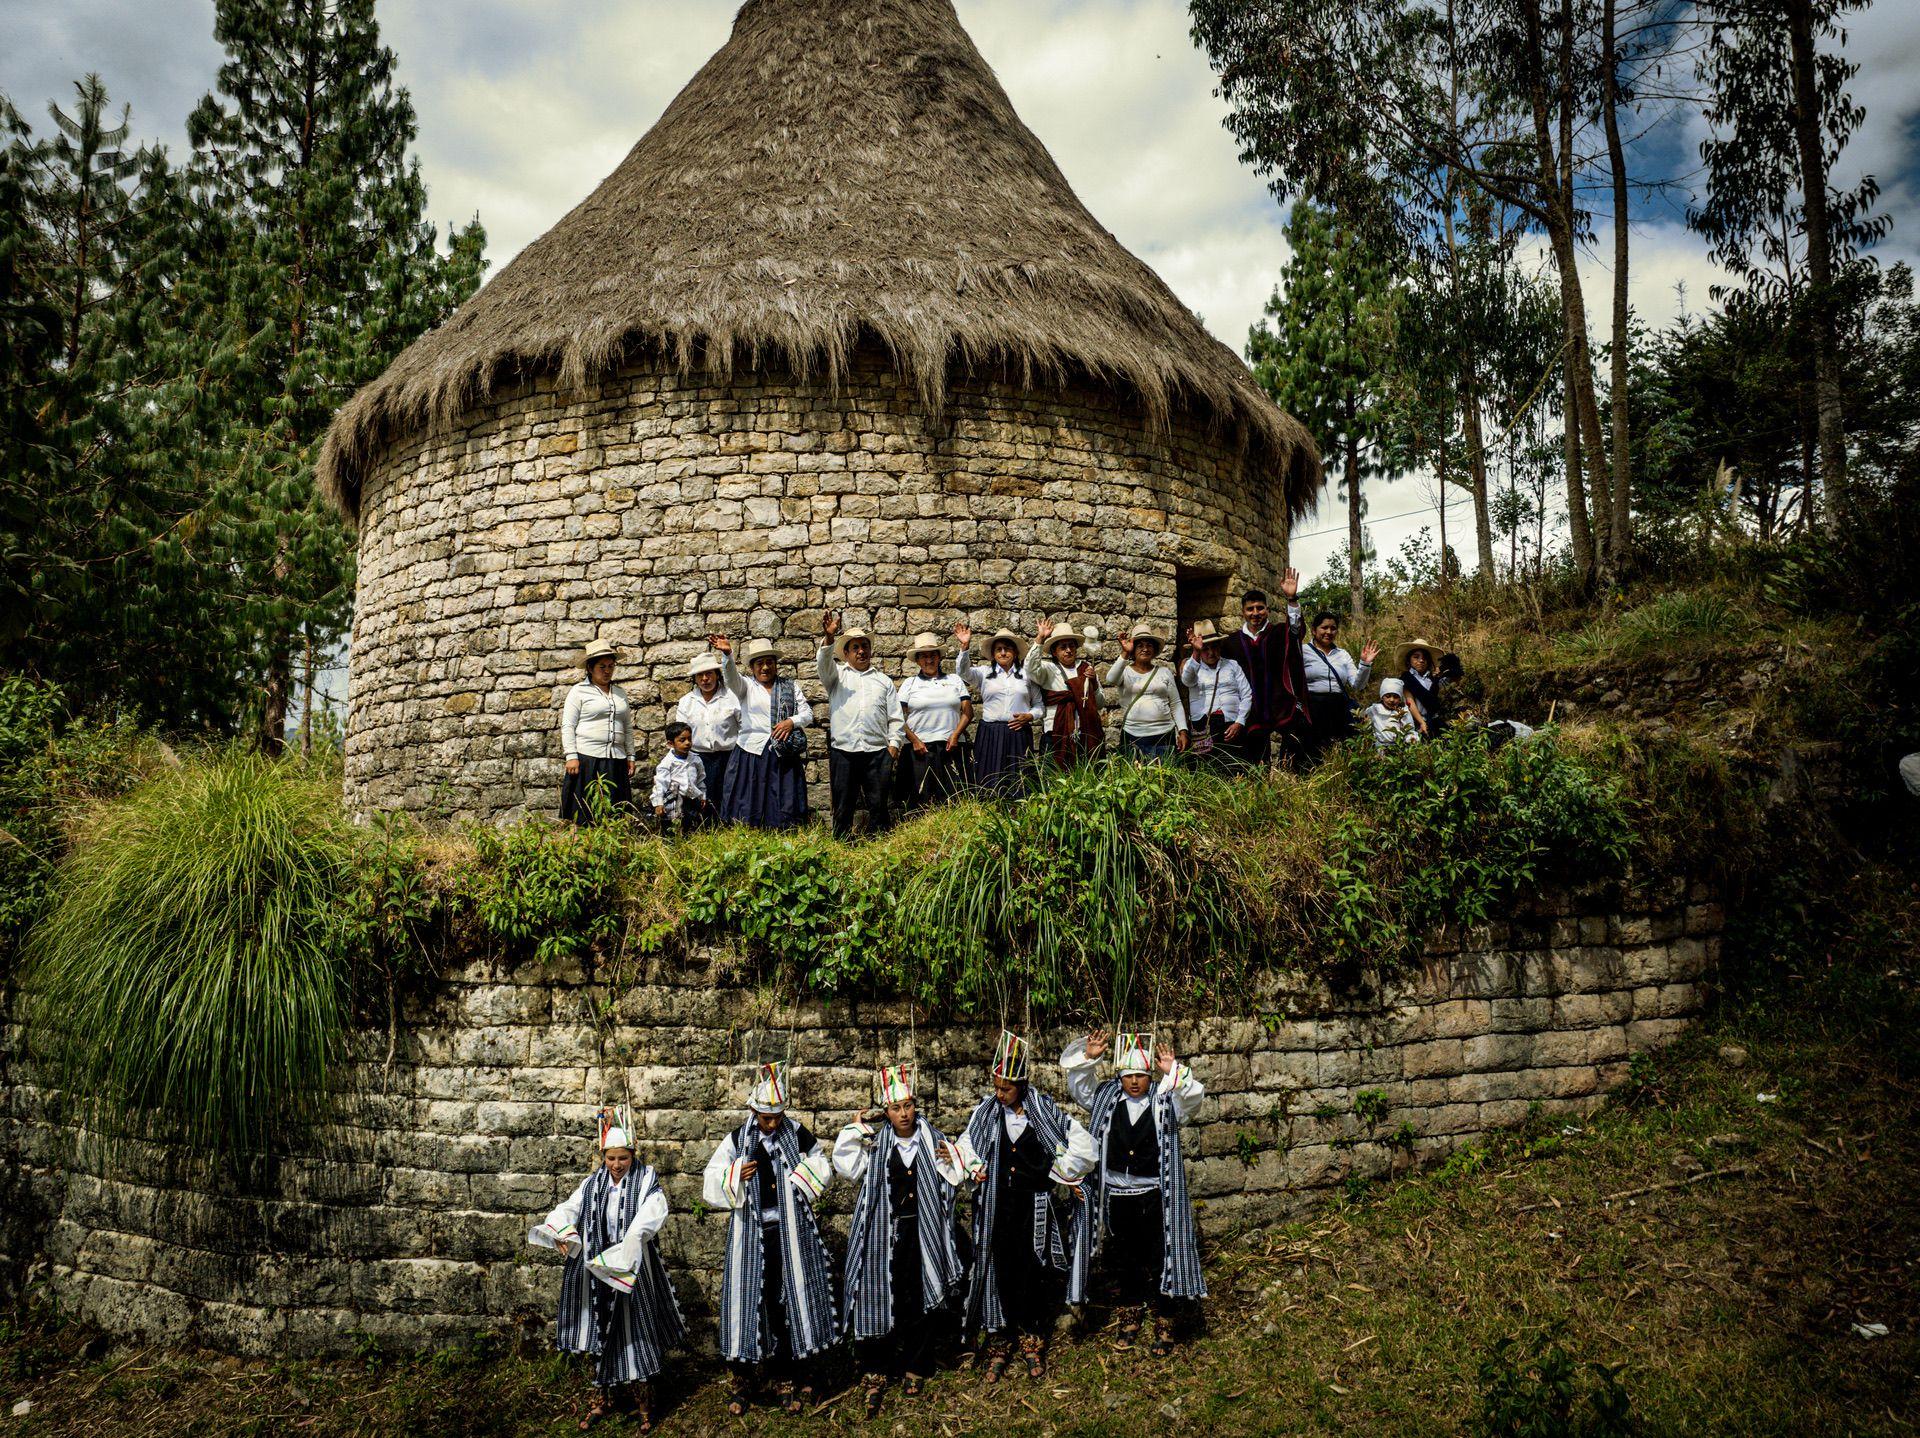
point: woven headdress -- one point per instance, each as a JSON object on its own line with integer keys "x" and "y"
{"x": 1133, "y": 1053}
{"x": 895, "y": 1083}
{"x": 770, "y": 1094}
{"x": 1010, "y": 1058}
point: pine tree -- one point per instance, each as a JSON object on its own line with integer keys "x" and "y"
{"x": 313, "y": 265}
{"x": 1326, "y": 353}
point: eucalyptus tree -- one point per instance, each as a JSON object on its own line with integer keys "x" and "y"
{"x": 1781, "y": 115}
{"x": 1324, "y": 350}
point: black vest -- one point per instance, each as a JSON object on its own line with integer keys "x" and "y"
{"x": 1133, "y": 1148}
{"x": 1026, "y": 1166}
{"x": 763, "y": 1176}
{"x": 903, "y": 1189}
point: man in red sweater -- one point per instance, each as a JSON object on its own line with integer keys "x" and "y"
{"x": 1274, "y": 668}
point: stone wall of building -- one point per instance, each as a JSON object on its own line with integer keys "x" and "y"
{"x": 660, "y": 507}
{"x": 405, "y": 1220}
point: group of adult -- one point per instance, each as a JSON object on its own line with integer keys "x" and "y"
{"x": 738, "y": 741}
{"x": 1061, "y": 1212}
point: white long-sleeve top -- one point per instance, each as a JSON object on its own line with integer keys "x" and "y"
{"x": 1217, "y": 688}
{"x": 931, "y": 707}
{"x": 1073, "y": 1160}
{"x": 1004, "y": 695}
{"x": 625, "y": 1255}
{"x": 853, "y": 1151}
{"x": 597, "y": 723}
{"x": 863, "y": 706}
{"x": 678, "y": 782}
{"x": 756, "y": 708}
{"x": 1083, "y": 1080}
{"x": 1326, "y": 671}
{"x": 1392, "y": 726}
{"x": 722, "y": 1186}
{"x": 1157, "y": 707}
{"x": 715, "y": 722}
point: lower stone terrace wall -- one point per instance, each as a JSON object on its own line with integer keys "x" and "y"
{"x": 404, "y": 1222}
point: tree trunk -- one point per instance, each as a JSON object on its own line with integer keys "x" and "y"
{"x": 306, "y": 694}
{"x": 1477, "y": 469}
{"x": 1813, "y": 190}
{"x": 1620, "y": 539}
{"x": 1578, "y": 534}
{"x": 1443, "y": 508}
{"x": 273, "y": 709}
{"x": 1356, "y": 585}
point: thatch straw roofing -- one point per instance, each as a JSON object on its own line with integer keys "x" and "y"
{"x": 841, "y": 169}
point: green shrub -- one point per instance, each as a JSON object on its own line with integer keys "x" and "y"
{"x": 554, "y": 888}
{"x": 191, "y": 968}
{"x": 1533, "y": 1388}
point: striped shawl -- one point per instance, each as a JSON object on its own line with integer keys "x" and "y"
{"x": 1180, "y": 1272}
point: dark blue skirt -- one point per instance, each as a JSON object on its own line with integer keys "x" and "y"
{"x": 614, "y": 777}
{"x": 764, "y": 791}
{"x": 1000, "y": 756}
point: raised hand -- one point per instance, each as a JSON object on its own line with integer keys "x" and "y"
{"x": 1290, "y": 584}
{"x": 829, "y": 623}
{"x": 1043, "y": 630}
{"x": 1096, "y": 1045}
{"x": 1126, "y": 646}
{"x": 1164, "y": 1054}
{"x": 963, "y": 635}
{"x": 1369, "y": 652}
{"x": 720, "y": 642}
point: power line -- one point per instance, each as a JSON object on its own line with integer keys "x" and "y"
{"x": 1370, "y": 519}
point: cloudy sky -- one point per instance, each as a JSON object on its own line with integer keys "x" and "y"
{"x": 525, "y": 105}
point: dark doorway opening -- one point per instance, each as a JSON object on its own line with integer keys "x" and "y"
{"x": 1203, "y": 594}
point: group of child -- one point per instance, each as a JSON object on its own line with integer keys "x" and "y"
{"x": 737, "y": 743}
{"x": 1053, "y": 1202}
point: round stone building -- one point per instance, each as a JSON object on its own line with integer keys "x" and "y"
{"x": 836, "y": 333}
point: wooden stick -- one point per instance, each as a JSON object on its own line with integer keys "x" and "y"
{"x": 1738, "y": 1168}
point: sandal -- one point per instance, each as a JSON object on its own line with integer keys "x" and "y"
{"x": 600, "y": 1407}
{"x": 912, "y": 1384}
{"x": 1130, "y": 1321}
{"x": 1162, "y": 1337}
{"x": 876, "y": 1384}
{"x": 789, "y": 1400}
{"x": 739, "y": 1394}
{"x": 997, "y": 1363}
{"x": 643, "y": 1407}
{"x": 1033, "y": 1349}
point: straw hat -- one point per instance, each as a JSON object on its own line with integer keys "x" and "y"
{"x": 1145, "y": 630}
{"x": 1062, "y": 635}
{"x": 840, "y": 647}
{"x": 599, "y": 647}
{"x": 708, "y": 663}
{"x": 1205, "y": 633}
{"x": 1006, "y": 634}
{"x": 1409, "y": 647}
{"x": 757, "y": 649}
{"x": 923, "y": 641}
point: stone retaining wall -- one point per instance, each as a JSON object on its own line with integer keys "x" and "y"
{"x": 405, "y": 1221}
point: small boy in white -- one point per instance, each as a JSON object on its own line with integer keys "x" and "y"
{"x": 1392, "y": 724}
{"x": 680, "y": 780}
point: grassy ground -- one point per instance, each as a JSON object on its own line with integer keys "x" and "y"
{"x": 1718, "y": 1248}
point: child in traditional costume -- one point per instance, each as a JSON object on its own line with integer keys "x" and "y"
{"x": 903, "y": 1265}
{"x": 1010, "y": 702}
{"x": 1018, "y": 1145}
{"x": 1137, "y": 1196}
{"x": 616, "y": 1302}
{"x": 1072, "y": 693}
{"x": 776, "y": 1293}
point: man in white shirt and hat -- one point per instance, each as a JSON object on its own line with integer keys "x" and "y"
{"x": 865, "y": 727}
{"x": 776, "y": 1288}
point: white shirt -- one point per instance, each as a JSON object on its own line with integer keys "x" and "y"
{"x": 677, "y": 780}
{"x": 863, "y": 707}
{"x": 1158, "y": 707}
{"x": 1004, "y": 695}
{"x": 1014, "y": 1123}
{"x": 723, "y": 1186}
{"x": 853, "y": 1151}
{"x": 1325, "y": 671}
{"x": 933, "y": 705}
{"x": 1392, "y": 727}
{"x": 715, "y": 722}
{"x": 756, "y": 708}
{"x": 625, "y": 1255}
{"x": 1296, "y": 621}
{"x": 1222, "y": 687}
{"x": 1072, "y": 1160}
{"x": 596, "y": 724}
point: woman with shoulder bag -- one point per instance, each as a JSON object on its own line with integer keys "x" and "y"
{"x": 766, "y": 783}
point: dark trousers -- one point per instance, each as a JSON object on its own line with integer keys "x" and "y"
{"x": 1136, "y": 1246}
{"x": 778, "y": 1349}
{"x": 1332, "y": 716}
{"x": 903, "y": 1350}
{"x": 859, "y": 781}
{"x": 1254, "y": 747}
{"x": 1030, "y": 1291}
{"x": 930, "y": 777}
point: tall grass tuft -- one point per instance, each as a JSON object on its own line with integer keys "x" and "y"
{"x": 189, "y": 977}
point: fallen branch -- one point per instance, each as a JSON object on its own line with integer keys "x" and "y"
{"x": 1738, "y": 1168}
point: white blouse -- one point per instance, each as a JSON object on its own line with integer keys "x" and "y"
{"x": 853, "y": 1151}
{"x": 933, "y": 706}
{"x": 625, "y": 1255}
{"x": 1004, "y": 695}
{"x": 1222, "y": 689}
{"x": 597, "y": 724}
{"x": 756, "y": 708}
{"x": 715, "y": 722}
{"x": 1157, "y": 707}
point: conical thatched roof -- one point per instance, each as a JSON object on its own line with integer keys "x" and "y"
{"x": 840, "y": 169}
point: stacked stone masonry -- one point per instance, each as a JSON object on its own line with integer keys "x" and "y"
{"x": 405, "y": 1222}
{"x": 658, "y": 507}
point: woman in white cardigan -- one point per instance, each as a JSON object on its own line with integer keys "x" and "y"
{"x": 596, "y": 733}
